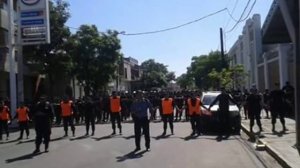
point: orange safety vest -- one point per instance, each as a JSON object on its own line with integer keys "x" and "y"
{"x": 22, "y": 114}
{"x": 167, "y": 106}
{"x": 66, "y": 108}
{"x": 115, "y": 104}
{"x": 4, "y": 114}
{"x": 194, "y": 109}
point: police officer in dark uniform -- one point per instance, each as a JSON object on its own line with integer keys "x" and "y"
{"x": 254, "y": 103}
{"x": 223, "y": 113}
{"x": 89, "y": 115}
{"x": 43, "y": 117}
{"x": 277, "y": 107}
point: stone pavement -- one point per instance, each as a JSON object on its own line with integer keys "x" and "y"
{"x": 280, "y": 145}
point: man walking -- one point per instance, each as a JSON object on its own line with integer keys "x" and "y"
{"x": 277, "y": 107}
{"x": 167, "y": 105}
{"x": 43, "y": 119}
{"x": 115, "y": 109}
{"x": 194, "y": 106}
{"x": 23, "y": 117}
{"x": 254, "y": 103}
{"x": 139, "y": 109}
{"x": 223, "y": 113}
{"x": 5, "y": 117}
{"x": 67, "y": 108}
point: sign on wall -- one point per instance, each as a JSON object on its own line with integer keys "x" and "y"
{"x": 34, "y": 22}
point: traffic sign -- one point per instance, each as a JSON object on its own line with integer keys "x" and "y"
{"x": 34, "y": 22}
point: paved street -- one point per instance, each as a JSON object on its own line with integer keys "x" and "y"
{"x": 113, "y": 152}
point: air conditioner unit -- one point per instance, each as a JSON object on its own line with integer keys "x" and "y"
{"x": 3, "y": 19}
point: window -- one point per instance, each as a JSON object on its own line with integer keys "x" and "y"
{"x": 3, "y": 37}
{"x": 2, "y": 2}
{"x": 125, "y": 73}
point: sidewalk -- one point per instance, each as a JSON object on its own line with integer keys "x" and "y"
{"x": 279, "y": 145}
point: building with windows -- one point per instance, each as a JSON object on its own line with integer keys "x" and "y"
{"x": 247, "y": 50}
{"x": 266, "y": 52}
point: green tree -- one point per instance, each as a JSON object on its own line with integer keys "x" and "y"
{"x": 96, "y": 57}
{"x": 202, "y": 65}
{"x": 185, "y": 81}
{"x": 52, "y": 59}
{"x": 154, "y": 74}
{"x": 233, "y": 77}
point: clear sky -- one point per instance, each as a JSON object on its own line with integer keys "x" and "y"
{"x": 174, "y": 48}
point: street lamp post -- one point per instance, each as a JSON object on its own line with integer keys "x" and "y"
{"x": 12, "y": 66}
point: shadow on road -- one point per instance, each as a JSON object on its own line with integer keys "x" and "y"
{"x": 24, "y": 157}
{"x": 189, "y": 137}
{"x": 26, "y": 141}
{"x": 9, "y": 141}
{"x": 79, "y": 138}
{"x": 57, "y": 139}
{"x": 103, "y": 138}
{"x": 128, "y": 137}
{"x": 131, "y": 155}
{"x": 162, "y": 137}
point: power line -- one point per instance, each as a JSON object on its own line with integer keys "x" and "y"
{"x": 231, "y": 13}
{"x": 175, "y": 27}
{"x": 241, "y": 17}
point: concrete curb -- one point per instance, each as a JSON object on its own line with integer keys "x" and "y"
{"x": 273, "y": 152}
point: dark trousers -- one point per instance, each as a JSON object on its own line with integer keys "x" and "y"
{"x": 178, "y": 114}
{"x": 195, "y": 123}
{"x": 68, "y": 121}
{"x": 43, "y": 132}
{"x": 89, "y": 120}
{"x": 3, "y": 126}
{"x": 254, "y": 115}
{"x": 23, "y": 126}
{"x": 116, "y": 117}
{"x": 105, "y": 116}
{"x": 139, "y": 124}
{"x": 224, "y": 123}
{"x": 168, "y": 118}
{"x": 275, "y": 114}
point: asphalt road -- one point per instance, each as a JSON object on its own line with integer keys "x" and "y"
{"x": 104, "y": 151}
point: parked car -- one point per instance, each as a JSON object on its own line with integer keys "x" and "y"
{"x": 210, "y": 120}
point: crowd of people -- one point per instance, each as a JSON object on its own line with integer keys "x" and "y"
{"x": 142, "y": 107}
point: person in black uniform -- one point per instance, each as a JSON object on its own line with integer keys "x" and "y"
{"x": 266, "y": 97}
{"x": 277, "y": 107}
{"x": 179, "y": 106}
{"x": 89, "y": 108}
{"x": 43, "y": 116}
{"x": 254, "y": 103}
{"x": 223, "y": 113}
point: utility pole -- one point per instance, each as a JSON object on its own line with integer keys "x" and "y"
{"x": 20, "y": 76}
{"x": 12, "y": 66}
{"x": 297, "y": 73}
{"x": 222, "y": 49}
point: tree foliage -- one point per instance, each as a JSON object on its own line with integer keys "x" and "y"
{"x": 202, "y": 65}
{"x": 96, "y": 57}
{"x": 233, "y": 77}
{"x": 185, "y": 81}
{"x": 154, "y": 74}
{"x": 52, "y": 59}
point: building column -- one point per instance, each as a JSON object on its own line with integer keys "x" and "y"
{"x": 282, "y": 65}
{"x": 266, "y": 71}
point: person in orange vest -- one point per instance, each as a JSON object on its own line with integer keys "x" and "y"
{"x": 194, "y": 106}
{"x": 23, "y": 117}
{"x": 67, "y": 115}
{"x": 5, "y": 117}
{"x": 167, "y": 105}
{"x": 115, "y": 109}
